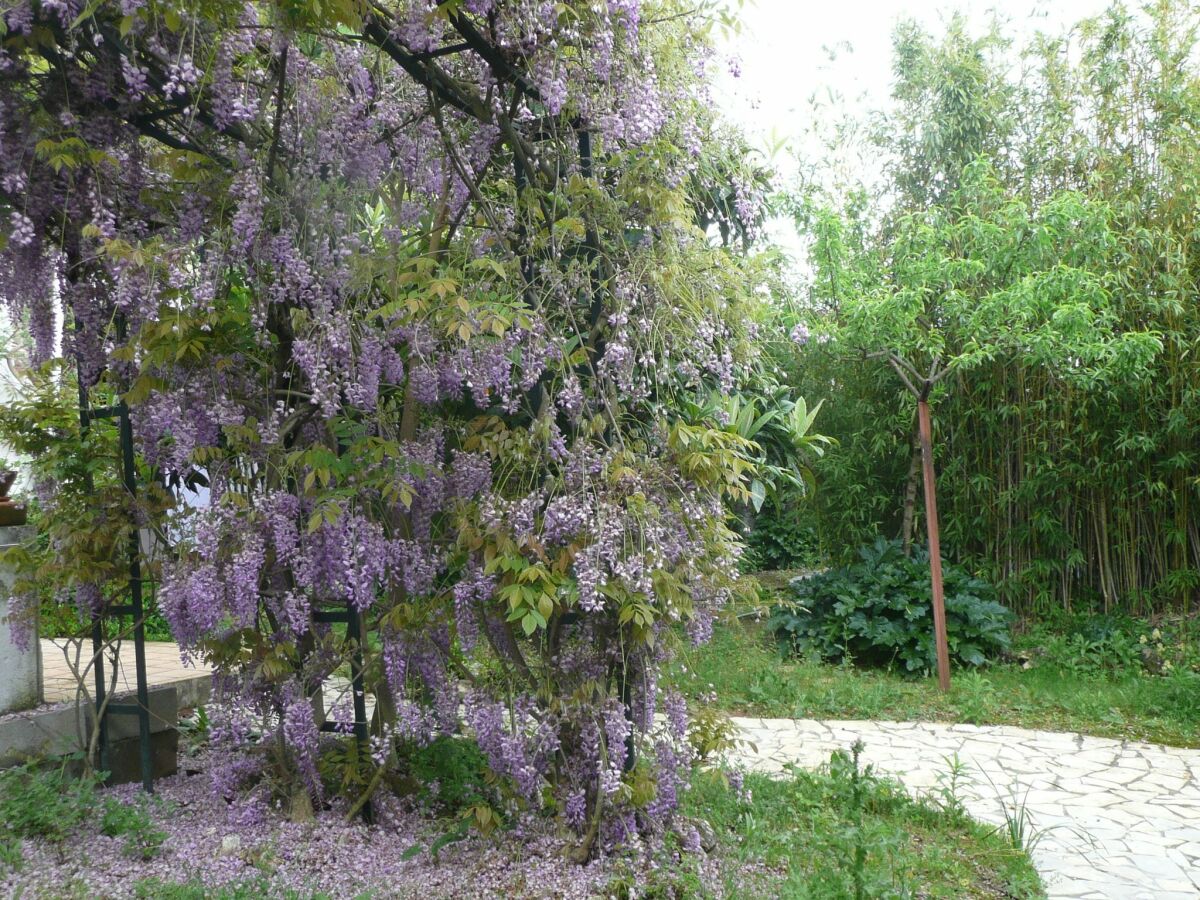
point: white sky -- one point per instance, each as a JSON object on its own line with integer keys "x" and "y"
{"x": 784, "y": 51}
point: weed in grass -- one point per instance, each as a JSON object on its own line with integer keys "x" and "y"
{"x": 948, "y": 793}
{"x": 844, "y": 832}
{"x": 859, "y": 864}
{"x": 131, "y": 820}
{"x": 44, "y": 802}
{"x": 767, "y": 687}
{"x": 1018, "y": 830}
{"x": 11, "y": 857}
{"x": 976, "y": 697}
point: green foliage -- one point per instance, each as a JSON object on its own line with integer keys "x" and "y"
{"x": 976, "y": 697}
{"x": 1036, "y": 208}
{"x": 743, "y": 667}
{"x": 1018, "y": 828}
{"x": 1093, "y": 645}
{"x": 46, "y": 802}
{"x": 844, "y": 832}
{"x": 674, "y": 874}
{"x": 80, "y": 540}
{"x": 250, "y": 889}
{"x": 775, "y": 429}
{"x": 952, "y": 106}
{"x": 11, "y": 857}
{"x": 50, "y": 801}
{"x": 782, "y": 536}
{"x": 142, "y": 839}
{"x": 879, "y": 612}
{"x": 58, "y": 620}
{"x": 1113, "y": 645}
{"x": 711, "y": 732}
{"x": 450, "y": 775}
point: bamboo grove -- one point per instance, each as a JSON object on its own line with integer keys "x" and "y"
{"x": 1071, "y": 491}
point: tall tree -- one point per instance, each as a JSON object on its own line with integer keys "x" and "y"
{"x": 1066, "y": 490}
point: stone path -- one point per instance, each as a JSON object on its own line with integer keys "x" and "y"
{"x": 1119, "y": 820}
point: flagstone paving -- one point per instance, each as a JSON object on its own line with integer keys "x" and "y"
{"x": 1118, "y": 820}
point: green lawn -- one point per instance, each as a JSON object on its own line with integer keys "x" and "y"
{"x": 834, "y": 834}
{"x": 750, "y": 677}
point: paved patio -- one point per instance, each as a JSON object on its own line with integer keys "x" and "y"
{"x": 163, "y": 667}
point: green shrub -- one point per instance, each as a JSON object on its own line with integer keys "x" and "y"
{"x": 45, "y": 802}
{"x": 451, "y": 774}
{"x": 879, "y": 612}
{"x": 143, "y": 839}
{"x": 780, "y": 537}
{"x": 1111, "y": 644}
{"x": 1094, "y": 644}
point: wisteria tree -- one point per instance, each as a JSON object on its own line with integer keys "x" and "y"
{"x": 416, "y": 290}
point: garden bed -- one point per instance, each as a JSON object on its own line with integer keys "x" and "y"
{"x": 805, "y": 835}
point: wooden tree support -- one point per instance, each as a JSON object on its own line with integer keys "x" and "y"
{"x": 935, "y": 548}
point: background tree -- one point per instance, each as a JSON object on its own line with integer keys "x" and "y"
{"x": 977, "y": 278}
{"x": 1064, "y": 487}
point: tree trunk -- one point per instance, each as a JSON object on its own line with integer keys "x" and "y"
{"x": 910, "y": 492}
{"x": 935, "y": 549}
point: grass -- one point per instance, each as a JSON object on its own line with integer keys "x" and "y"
{"x": 750, "y": 677}
{"x": 844, "y": 833}
{"x": 251, "y": 889}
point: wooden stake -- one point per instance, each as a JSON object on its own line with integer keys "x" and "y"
{"x": 935, "y": 548}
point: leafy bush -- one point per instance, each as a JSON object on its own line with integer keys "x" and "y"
{"x": 1095, "y": 644}
{"x": 450, "y": 775}
{"x": 879, "y": 612}
{"x": 143, "y": 839}
{"x": 780, "y": 538}
{"x": 1112, "y": 644}
{"x": 51, "y": 801}
{"x": 44, "y": 803}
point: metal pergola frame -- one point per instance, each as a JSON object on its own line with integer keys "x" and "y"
{"x": 134, "y": 608}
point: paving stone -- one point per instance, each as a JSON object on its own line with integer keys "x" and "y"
{"x": 163, "y": 667}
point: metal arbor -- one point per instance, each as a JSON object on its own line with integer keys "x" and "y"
{"x": 133, "y": 609}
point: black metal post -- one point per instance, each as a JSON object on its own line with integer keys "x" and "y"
{"x": 129, "y": 476}
{"x": 85, "y": 424}
{"x": 134, "y": 608}
{"x": 354, "y": 631}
